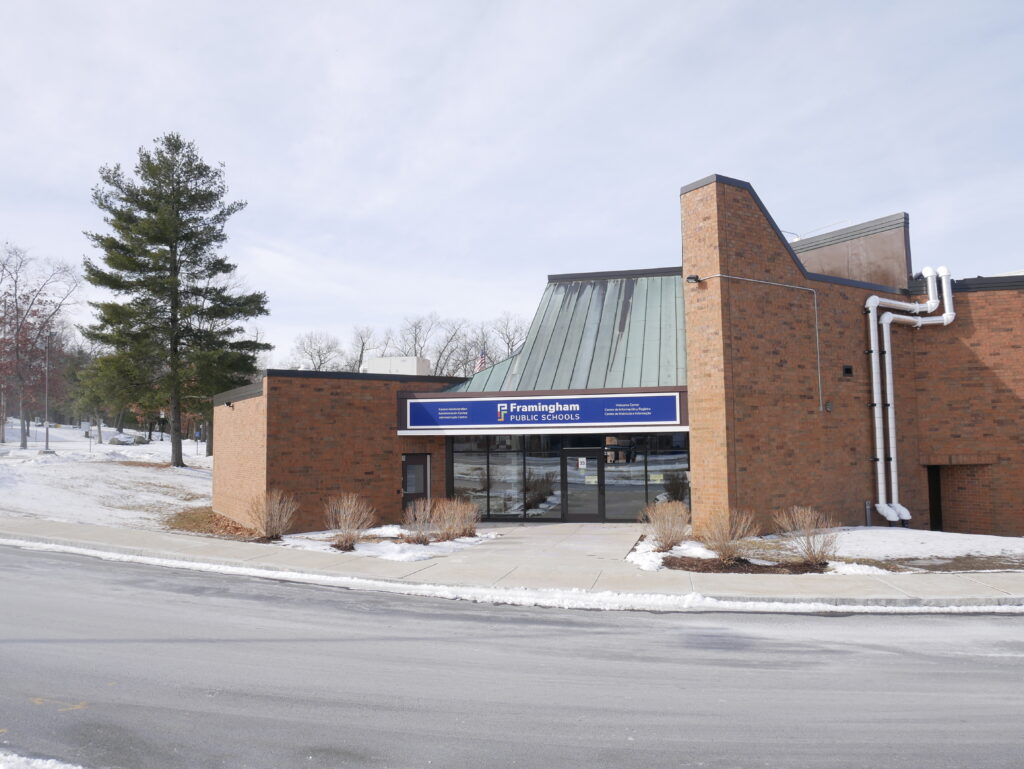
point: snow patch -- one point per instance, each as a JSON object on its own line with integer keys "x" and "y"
{"x": 646, "y": 558}
{"x": 101, "y": 484}
{"x": 387, "y": 550}
{"x": 12, "y": 761}
{"x": 842, "y": 567}
{"x": 885, "y": 542}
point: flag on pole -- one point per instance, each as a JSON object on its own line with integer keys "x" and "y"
{"x": 481, "y": 362}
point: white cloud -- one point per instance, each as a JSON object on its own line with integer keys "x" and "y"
{"x": 401, "y": 157}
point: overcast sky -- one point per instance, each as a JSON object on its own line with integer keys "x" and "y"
{"x": 406, "y": 157}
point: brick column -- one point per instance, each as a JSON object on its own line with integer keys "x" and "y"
{"x": 708, "y": 363}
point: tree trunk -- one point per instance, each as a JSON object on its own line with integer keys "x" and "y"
{"x": 3, "y": 415}
{"x": 21, "y": 420}
{"x": 120, "y": 421}
{"x": 176, "y": 456}
{"x": 208, "y": 434}
{"x": 99, "y": 428}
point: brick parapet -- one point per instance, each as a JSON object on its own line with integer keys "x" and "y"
{"x": 327, "y": 436}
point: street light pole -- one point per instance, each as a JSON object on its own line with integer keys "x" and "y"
{"x": 46, "y": 393}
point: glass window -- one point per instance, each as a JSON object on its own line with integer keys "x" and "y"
{"x": 506, "y": 498}
{"x": 543, "y": 443}
{"x": 668, "y": 476}
{"x": 506, "y": 443}
{"x": 469, "y": 476}
{"x": 543, "y": 485}
{"x": 469, "y": 443}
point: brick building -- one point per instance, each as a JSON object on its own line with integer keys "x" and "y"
{"x": 749, "y": 378}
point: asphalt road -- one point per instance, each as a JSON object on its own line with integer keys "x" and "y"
{"x": 118, "y": 665}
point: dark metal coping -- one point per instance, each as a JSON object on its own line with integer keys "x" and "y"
{"x": 253, "y": 390}
{"x": 296, "y": 374}
{"x": 816, "y": 276}
{"x": 980, "y": 283}
{"x": 893, "y": 222}
{"x": 654, "y": 272}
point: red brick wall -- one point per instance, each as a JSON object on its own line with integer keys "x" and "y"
{"x": 969, "y": 383}
{"x": 240, "y": 454}
{"x": 759, "y": 440}
{"x": 326, "y": 436}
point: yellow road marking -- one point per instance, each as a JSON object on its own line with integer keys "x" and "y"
{"x": 64, "y": 706}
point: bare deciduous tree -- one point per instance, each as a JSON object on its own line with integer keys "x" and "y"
{"x": 364, "y": 339}
{"x": 33, "y": 296}
{"x": 510, "y": 331}
{"x": 317, "y": 350}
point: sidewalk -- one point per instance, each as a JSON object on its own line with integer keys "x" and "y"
{"x": 557, "y": 564}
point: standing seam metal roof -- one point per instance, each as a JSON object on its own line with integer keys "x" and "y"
{"x": 598, "y": 330}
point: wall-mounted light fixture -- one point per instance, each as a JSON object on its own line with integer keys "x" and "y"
{"x": 693, "y": 279}
{"x": 229, "y": 404}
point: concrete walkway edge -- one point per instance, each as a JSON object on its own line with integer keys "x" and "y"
{"x": 560, "y": 565}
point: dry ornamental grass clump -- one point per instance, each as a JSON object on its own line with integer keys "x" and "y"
{"x": 668, "y": 523}
{"x": 416, "y": 522}
{"x": 272, "y": 513}
{"x": 809, "y": 531}
{"x": 349, "y": 515}
{"x": 454, "y": 518}
{"x": 724, "y": 534}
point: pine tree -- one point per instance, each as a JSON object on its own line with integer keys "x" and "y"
{"x": 180, "y": 315}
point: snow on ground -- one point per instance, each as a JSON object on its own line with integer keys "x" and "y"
{"x": 12, "y": 761}
{"x": 643, "y": 554}
{"x": 882, "y": 543}
{"x": 876, "y": 543}
{"x": 88, "y": 482}
{"x": 388, "y": 549}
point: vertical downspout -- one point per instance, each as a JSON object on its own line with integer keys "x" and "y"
{"x": 890, "y": 512}
{"x": 947, "y": 317}
{"x": 876, "y": 405}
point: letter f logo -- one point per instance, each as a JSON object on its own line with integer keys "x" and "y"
{"x": 502, "y": 410}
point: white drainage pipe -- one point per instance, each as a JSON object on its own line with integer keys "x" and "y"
{"x": 948, "y": 316}
{"x": 873, "y": 304}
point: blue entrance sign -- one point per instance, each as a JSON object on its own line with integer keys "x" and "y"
{"x": 537, "y": 413}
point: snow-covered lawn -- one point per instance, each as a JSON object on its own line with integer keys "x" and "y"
{"x": 88, "y": 482}
{"x": 133, "y": 486}
{"x": 882, "y": 543}
{"x": 388, "y": 547}
{"x": 893, "y": 546}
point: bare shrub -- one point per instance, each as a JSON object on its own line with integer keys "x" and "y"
{"x": 724, "y": 534}
{"x": 809, "y": 531}
{"x": 454, "y": 518}
{"x": 668, "y": 523}
{"x": 272, "y": 512}
{"x": 416, "y": 522}
{"x": 676, "y": 486}
{"x": 539, "y": 487}
{"x": 349, "y": 515}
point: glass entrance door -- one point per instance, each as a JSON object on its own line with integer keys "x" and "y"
{"x": 415, "y": 477}
{"x": 582, "y": 485}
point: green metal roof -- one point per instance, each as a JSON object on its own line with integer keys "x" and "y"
{"x": 598, "y": 330}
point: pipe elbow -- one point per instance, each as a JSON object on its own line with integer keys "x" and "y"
{"x": 943, "y": 272}
{"x": 928, "y": 272}
{"x": 887, "y": 512}
{"x": 902, "y": 513}
{"x": 872, "y": 302}
{"x": 948, "y": 317}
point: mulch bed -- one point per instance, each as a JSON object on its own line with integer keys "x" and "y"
{"x": 740, "y": 566}
{"x": 202, "y": 520}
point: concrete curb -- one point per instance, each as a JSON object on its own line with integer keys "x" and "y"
{"x": 550, "y": 597}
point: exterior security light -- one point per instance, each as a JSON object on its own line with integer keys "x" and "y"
{"x": 692, "y": 279}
